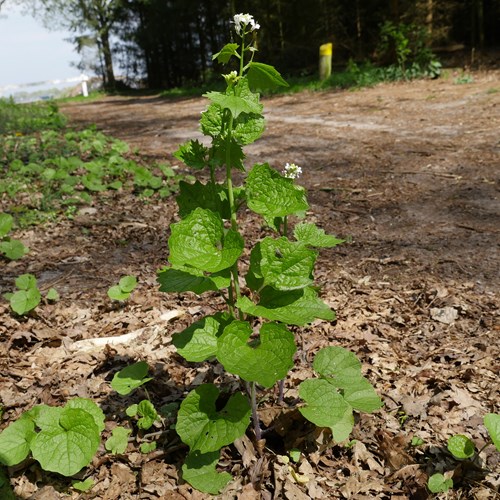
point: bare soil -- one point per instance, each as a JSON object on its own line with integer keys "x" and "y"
{"x": 409, "y": 174}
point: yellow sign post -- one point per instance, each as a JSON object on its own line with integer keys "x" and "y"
{"x": 325, "y": 60}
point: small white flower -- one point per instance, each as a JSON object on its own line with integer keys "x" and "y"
{"x": 291, "y": 171}
{"x": 243, "y": 21}
{"x": 231, "y": 77}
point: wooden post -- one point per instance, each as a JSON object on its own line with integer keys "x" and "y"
{"x": 325, "y": 60}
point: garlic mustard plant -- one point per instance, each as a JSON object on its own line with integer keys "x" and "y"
{"x": 251, "y": 338}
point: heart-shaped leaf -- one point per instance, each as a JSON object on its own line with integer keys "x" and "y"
{"x": 15, "y": 441}
{"x": 282, "y": 264}
{"x": 266, "y": 362}
{"x": 69, "y": 447}
{"x": 205, "y": 429}
{"x": 90, "y": 407}
{"x": 438, "y": 483}
{"x": 198, "y": 342}
{"x": 325, "y": 407}
{"x": 13, "y": 249}
{"x": 199, "y": 471}
{"x": 272, "y": 195}
{"x": 24, "y": 301}
{"x": 332, "y": 361}
{"x": 201, "y": 241}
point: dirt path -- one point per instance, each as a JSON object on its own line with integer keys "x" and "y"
{"x": 409, "y": 174}
{"x": 411, "y": 170}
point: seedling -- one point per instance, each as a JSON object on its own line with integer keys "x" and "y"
{"x": 9, "y": 247}
{"x": 62, "y": 440}
{"x": 28, "y": 295}
{"x": 463, "y": 448}
{"x": 124, "y": 288}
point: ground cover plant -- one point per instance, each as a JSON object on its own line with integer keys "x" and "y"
{"x": 51, "y": 170}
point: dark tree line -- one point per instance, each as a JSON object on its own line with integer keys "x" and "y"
{"x": 168, "y": 43}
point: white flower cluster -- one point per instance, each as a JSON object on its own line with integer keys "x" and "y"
{"x": 292, "y": 171}
{"x": 243, "y": 21}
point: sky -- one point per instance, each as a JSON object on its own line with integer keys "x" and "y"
{"x": 29, "y": 52}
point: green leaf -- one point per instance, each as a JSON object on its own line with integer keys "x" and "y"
{"x": 461, "y": 446}
{"x": 15, "y": 441}
{"x": 311, "y": 235}
{"x": 191, "y": 280}
{"x": 296, "y": 307}
{"x": 199, "y": 471}
{"x": 271, "y": 195}
{"x": 148, "y": 447}
{"x": 83, "y": 485}
{"x": 263, "y": 77}
{"x": 210, "y": 196}
{"x": 201, "y": 241}
{"x": 24, "y": 301}
{"x": 358, "y": 392}
{"x": 437, "y": 483}
{"x": 116, "y": 293}
{"x": 282, "y": 264}
{"x": 211, "y": 121}
{"x": 26, "y": 282}
{"x": 193, "y": 153}
{"x": 325, "y": 407}
{"x": 130, "y": 377}
{"x": 342, "y": 369}
{"x": 127, "y": 283}
{"x": 69, "y": 447}
{"x": 235, "y": 104}
{"x": 91, "y": 408}
{"x": 148, "y": 414}
{"x": 198, "y": 342}
{"x": 492, "y": 424}
{"x": 13, "y": 249}
{"x": 6, "y": 223}
{"x": 118, "y": 441}
{"x": 229, "y": 50}
{"x": 266, "y": 362}
{"x": 248, "y": 128}
{"x": 205, "y": 429}
{"x": 131, "y": 411}
{"x": 52, "y": 295}
{"x": 332, "y": 361}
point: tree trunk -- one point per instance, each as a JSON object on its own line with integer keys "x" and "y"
{"x": 430, "y": 18}
{"x": 109, "y": 81}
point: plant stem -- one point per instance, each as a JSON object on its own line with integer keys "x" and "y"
{"x": 281, "y": 383}
{"x": 255, "y": 415}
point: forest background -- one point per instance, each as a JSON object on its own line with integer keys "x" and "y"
{"x": 166, "y": 44}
